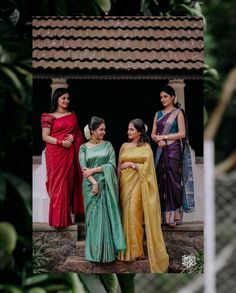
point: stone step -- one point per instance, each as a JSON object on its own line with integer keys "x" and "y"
{"x": 178, "y": 246}
{"x": 184, "y": 240}
{"x": 80, "y": 248}
{"x": 78, "y": 264}
{"x": 188, "y": 228}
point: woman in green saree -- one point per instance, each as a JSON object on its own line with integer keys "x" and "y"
{"x": 104, "y": 233}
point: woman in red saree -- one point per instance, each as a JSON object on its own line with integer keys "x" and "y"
{"x": 63, "y": 138}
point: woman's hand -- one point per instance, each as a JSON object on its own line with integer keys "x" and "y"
{"x": 66, "y": 144}
{"x": 95, "y": 188}
{"x": 161, "y": 143}
{"x": 69, "y": 138}
{"x": 158, "y": 138}
{"x": 126, "y": 165}
{"x": 87, "y": 172}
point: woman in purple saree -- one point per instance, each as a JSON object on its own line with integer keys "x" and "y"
{"x": 173, "y": 160}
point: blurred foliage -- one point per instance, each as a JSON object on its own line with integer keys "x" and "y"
{"x": 220, "y": 43}
{"x": 117, "y": 7}
{"x": 15, "y": 165}
{"x": 15, "y": 109}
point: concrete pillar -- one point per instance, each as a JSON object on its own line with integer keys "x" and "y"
{"x": 58, "y": 83}
{"x": 178, "y": 85}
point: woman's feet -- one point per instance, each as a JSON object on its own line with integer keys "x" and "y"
{"x": 172, "y": 225}
{"x": 178, "y": 222}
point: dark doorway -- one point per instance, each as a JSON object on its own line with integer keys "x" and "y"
{"x": 119, "y": 101}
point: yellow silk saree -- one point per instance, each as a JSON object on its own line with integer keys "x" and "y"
{"x": 140, "y": 205}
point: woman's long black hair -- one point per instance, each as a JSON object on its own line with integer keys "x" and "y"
{"x": 170, "y": 91}
{"x": 56, "y": 95}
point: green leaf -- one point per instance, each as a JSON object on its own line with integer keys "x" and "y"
{"x": 92, "y": 283}
{"x": 8, "y": 237}
{"x": 126, "y": 282}
{"x": 36, "y": 290}
{"x": 35, "y": 279}
{"x": 14, "y": 17}
{"x": 10, "y": 289}
{"x": 110, "y": 281}
{"x": 105, "y": 5}
{"x": 22, "y": 188}
{"x": 2, "y": 189}
{"x": 77, "y": 285}
{"x": 14, "y": 82}
{"x": 61, "y": 7}
{"x": 213, "y": 73}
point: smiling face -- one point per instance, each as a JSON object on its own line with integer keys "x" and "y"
{"x": 133, "y": 133}
{"x": 166, "y": 99}
{"x": 100, "y": 132}
{"x": 63, "y": 101}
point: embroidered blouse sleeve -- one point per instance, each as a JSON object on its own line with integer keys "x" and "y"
{"x": 46, "y": 120}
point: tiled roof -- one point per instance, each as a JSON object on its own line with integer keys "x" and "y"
{"x": 118, "y": 44}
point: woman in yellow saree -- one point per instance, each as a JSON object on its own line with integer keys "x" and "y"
{"x": 139, "y": 199}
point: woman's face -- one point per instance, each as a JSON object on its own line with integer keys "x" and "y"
{"x": 133, "y": 133}
{"x": 64, "y": 100}
{"x": 166, "y": 99}
{"x": 100, "y": 131}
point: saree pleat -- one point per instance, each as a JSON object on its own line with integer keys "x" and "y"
{"x": 104, "y": 233}
{"x": 169, "y": 174}
{"x": 140, "y": 205}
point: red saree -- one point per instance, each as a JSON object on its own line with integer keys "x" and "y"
{"x": 64, "y": 176}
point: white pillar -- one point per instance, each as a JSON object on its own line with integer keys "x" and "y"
{"x": 209, "y": 226}
{"x": 40, "y": 196}
{"x": 58, "y": 83}
{"x": 178, "y": 85}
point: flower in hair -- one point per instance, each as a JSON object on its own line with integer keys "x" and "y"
{"x": 87, "y": 133}
{"x": 146, "y": 128}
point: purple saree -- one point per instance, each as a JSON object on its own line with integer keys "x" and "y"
{"x": 169, "y": 168}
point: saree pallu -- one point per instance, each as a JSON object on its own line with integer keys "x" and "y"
{"x": 104, "y": 233}
{"x": 64, "y": 176}
{"x": 140, "y": 206}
